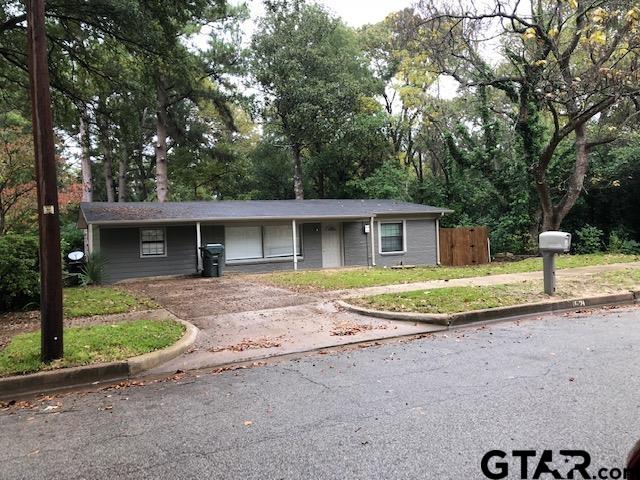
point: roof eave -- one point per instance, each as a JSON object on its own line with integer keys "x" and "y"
{"x": 254, "y": 219}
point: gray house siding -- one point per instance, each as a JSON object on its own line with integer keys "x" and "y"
{"x": 356, "y": 244}
{"x": 421, "y": 245}
{"x": 121, "y": 249}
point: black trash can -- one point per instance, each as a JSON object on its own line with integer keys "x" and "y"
{"x": 212, "y": 260}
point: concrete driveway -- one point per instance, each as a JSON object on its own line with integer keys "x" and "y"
{"x": 243, "y": 320}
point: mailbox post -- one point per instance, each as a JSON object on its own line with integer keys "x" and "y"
{"x": 550, "y": 244}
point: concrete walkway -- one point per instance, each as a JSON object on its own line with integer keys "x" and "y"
{"x": 567, "y": 273}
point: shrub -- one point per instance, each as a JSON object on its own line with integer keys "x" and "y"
{"x": 619, "y": 243}
{"x": 616, "y": 241}
{"x": 71, "y": 238}
{"x": 588, "y": 240}
{"x": 630, "y": 247}
{"x": 19, "y": 273}
{"x": 93, "y": 271}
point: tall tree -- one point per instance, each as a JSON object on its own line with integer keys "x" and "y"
{"x": 311, "y": 70}
{"x": 565, "y": 64}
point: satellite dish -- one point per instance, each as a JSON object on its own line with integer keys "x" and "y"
{"x": 75, "y": 256}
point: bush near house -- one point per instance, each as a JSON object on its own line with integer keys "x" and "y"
{"x": 19, "y": 274}
{"x": 589, "y": 240}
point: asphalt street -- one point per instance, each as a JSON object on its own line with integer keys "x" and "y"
{"x": 423, "y": 409}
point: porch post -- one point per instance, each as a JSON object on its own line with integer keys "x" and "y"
{"x": 89, "y": 239}
{"x": 295, "y": 244}
{"x": 373, "y": 243}
{"x": 198, "y": 245}
{"x": 437, "y": 241}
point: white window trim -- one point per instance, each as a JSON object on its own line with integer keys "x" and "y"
{"x": 404, "y": 237}
{"x": 164, "y": 237}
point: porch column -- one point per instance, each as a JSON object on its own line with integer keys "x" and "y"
{"x": 198, "y": 245}
{"x": 373, "y": 242}
{"x": 294, "y": 236}
{"x": 89, "y": 239}
{"x": 437, "y": 241}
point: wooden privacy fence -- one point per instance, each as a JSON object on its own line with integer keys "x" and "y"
{"x": 464, "y": 246}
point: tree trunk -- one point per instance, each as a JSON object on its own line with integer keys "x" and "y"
{"x": 85, "y": 160}
{"x": 107, "y": 162}
{"x": 122, "y": 175}
{"x": 554, "y": 215}
{"x": 162, "y": 185}
{"x": 298, "y": 185}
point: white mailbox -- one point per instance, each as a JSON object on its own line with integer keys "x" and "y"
{"x": 556, "y": 242}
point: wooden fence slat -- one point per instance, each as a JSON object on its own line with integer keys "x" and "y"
{"x": 464, "y": 246}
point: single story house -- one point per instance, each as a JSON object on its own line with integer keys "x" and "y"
{"x": 148, "y": 239}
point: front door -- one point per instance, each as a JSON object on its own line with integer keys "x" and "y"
{"x": 331, "y": 245}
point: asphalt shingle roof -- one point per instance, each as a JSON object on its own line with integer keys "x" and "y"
{"x": 149, "y": 212}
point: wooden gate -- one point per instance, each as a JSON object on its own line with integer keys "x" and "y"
{"x": 464, "y": 246}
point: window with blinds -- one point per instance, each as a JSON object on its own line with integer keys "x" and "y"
{"x": 392, "y": 237}
{"x": 278, "y": 241}
{"x": 256, "y": 242}
{"x": 153, "y": 242}
{"x": 243, "y": 243}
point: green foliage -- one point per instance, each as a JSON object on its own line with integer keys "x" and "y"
{"x": 93, "y": 271}
{"x": 19, "y": 274}
{"x": 387, "y": 182}
{"x": 588, "y": 240}
{"x": 619, "y": 243}
{"x": 71, "y": 238}
{"x": 316, "y": 84}
{"x": 87, "y": 345}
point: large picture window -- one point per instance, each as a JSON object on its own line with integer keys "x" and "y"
{"x": 392, "y": 237}
{"x": 243, "y": 243}
{"x": 258, "y": 242}
{"x": 278, "y": 241}
{"x": 153, "y": 242}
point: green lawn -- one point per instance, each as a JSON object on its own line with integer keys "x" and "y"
{"x": 94, "y": 344}
{"x": 88, "y": 301}
{"x": 369, "y": 277}
{"x": 463, "y": 299}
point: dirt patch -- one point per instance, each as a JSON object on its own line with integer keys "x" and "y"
{"x": 190, "y": 298}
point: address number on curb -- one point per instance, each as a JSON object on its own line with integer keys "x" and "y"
{"x": 579, "y": 303}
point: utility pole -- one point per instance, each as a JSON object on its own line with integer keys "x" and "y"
{"x": 49, "y": 222}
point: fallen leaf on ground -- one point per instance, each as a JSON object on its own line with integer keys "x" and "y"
{"x": 346, "y": 329}
{"x": 248, "y": 344}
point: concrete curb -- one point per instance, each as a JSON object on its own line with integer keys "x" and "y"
{"x": 153, "y": 359}
{"x": 500, "y": 313}
{"x": 41, "y": 382}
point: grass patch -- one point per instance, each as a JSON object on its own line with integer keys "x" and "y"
{"x": 87, "y": 345}
{"x": 464, "y": 299}
{"x": 369, "y": 277}
{"x": 88, "y": 301}
{"x": 454, "y": 299}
